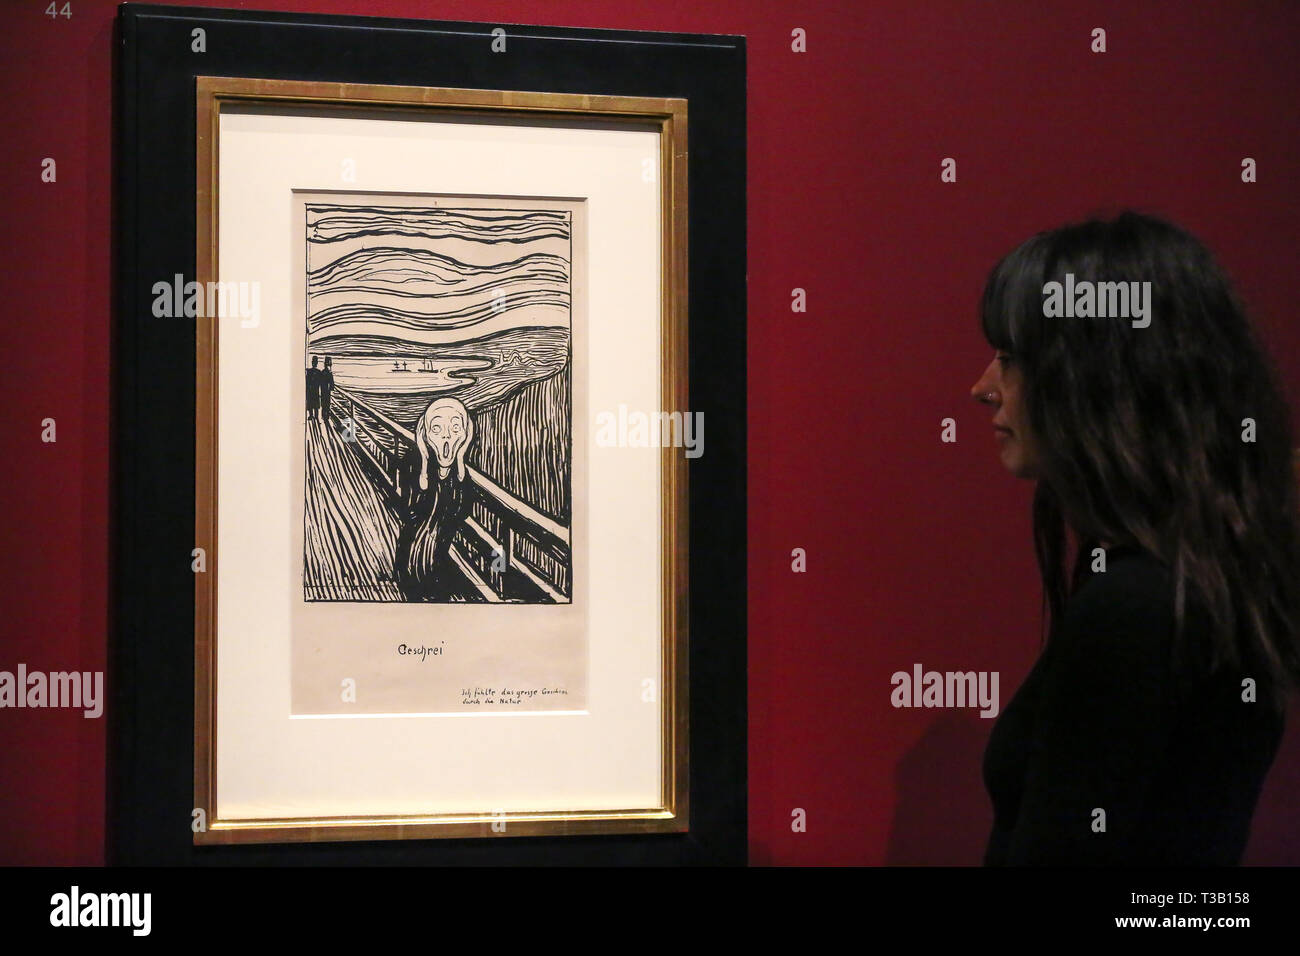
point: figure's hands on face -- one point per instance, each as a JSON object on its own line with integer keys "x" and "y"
{"x": 446, "y": 428}
{"x": 446, "y": 433}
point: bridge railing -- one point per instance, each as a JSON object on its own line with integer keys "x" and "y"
{"x": 503, "y": 541}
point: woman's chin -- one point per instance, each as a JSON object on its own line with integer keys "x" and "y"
{"x": 1015, "y": 463}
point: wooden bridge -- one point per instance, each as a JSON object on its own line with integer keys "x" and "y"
{"x": 505, "y": 551}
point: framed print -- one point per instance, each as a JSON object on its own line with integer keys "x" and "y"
{"x": 448, "y": 445}
{"x": 448, "y": 559}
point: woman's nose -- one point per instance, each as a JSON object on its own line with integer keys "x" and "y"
{"x": 984, "y": 391}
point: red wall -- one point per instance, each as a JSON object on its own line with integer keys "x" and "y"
{"x": 918, "y": 551}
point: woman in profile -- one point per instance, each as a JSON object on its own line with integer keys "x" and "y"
{"x": 1161, "y": 450}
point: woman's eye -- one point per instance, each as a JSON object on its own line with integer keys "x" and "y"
{"x": 1005, "y": 358}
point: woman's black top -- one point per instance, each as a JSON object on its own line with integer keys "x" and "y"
{"x": 1109, "y": 753}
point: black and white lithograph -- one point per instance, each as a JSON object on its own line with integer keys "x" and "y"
{"x": 438, "y": 450}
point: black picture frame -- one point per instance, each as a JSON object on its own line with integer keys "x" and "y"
{"x": 151, "y": 755}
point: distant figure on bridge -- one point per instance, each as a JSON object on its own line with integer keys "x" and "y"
{"x": 437, "y": 504}
{"x": 326, "y": 386}
{"x": 313, "y": 390}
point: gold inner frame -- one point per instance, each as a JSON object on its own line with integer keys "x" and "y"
{"x": 669, "y": 115}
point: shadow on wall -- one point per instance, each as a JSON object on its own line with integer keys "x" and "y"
{"x": 940, "y": 789}
{"x": 1274, "y": 839}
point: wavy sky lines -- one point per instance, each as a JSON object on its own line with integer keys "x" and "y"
{"x": 329, "y": 224}
{"x": 435, "y": 275}
{"x": 475, "y": 254}
{"x": 514, "y": 321}
{"x": 432, "y": 272}
{"x": 397, "y": 288}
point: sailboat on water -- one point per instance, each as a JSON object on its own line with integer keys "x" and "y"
{"x": 426, "y": 365}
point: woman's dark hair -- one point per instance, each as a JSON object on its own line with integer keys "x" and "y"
{"x": 1142, "y": 439}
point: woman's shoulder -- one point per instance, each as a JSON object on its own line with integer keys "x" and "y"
{"x": 1121, "y": 618}
{"x": 1126, "y": 585}
{"x": 1124, "y": 617}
